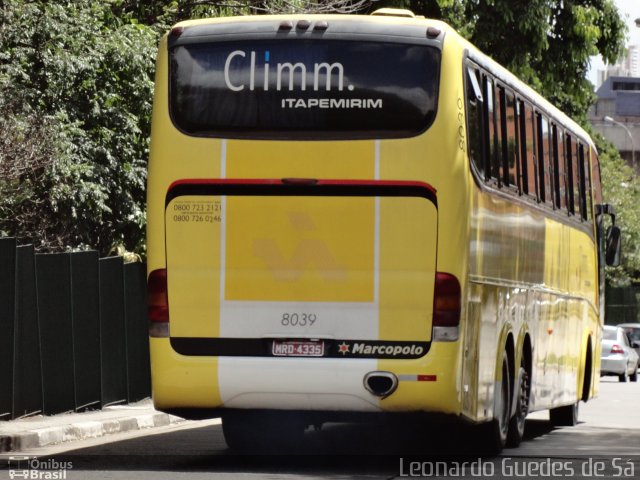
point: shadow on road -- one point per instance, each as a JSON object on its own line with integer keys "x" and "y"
{"x": 337, "y": 448}
{"x": 537, "y": 428}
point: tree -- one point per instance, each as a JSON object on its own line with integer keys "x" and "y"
{"x": 547, "y": 43}
{"x": 76, "y": 84}
{"x": 162, "y": 14}
{"x": 622, "y": 189}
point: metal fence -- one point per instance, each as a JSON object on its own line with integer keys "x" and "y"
{"x": 622, "y": 304}
{"x": 73, "y": 331}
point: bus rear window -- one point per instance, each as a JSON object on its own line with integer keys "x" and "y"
{"x": 303, "y": 89}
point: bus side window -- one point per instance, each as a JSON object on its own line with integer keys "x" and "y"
{"x": 474, "y": 119}
{"x": 539, "y": 158}
{"x": 575, "y": 180}
{"x": 528, "y": 152}
{"x": 491, "y": 148}
{"x": 544, "y": 163}
{"x": 595, "y": 178}
{"x": 560, "y": 161}
{"x": 585, "y": 183}
{"x": 511, "y": 161}
{"x": 499, "y": 169}
{"x": 570, "y": 147}
{"x": 589, "y": 187}
{"x": 552, "y": 171}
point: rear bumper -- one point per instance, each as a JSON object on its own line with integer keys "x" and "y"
{"x": 613, "y": 365}
{"x": 427, "y": 384}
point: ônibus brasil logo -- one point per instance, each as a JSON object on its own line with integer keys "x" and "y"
{"x": 36, "y": 469}
{"x": 321, "y": 76}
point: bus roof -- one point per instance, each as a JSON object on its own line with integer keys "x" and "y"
{"x": 509, "y": 79}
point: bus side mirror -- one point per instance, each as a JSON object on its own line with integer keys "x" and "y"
{"x": 612, "y": 237}
{"x": 613, "y": 246}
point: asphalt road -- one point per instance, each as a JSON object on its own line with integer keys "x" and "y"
{"x": 606, "y": 444}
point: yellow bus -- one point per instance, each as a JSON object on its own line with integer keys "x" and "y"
{"x": 351, "y": 216}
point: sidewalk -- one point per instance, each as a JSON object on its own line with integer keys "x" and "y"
{"x": 40, "y": 431}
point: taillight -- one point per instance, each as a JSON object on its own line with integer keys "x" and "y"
{"x": 446, "y": 301}
{"x": 617, "y": 349}
{"x": 176, "y": 32}
{"x": 158, "y": 303}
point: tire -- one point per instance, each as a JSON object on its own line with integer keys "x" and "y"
{"x": 493, "y": 435}
{"x": 566, "y": 416}
{"x": 517, "y": 422}
{"x": 634, "y": 376}
{"x": 262, "y": 432}
{"x": 623, "y": 377}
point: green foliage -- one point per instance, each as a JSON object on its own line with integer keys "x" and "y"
{"x": 546, "y": 43}
{"x": 76, "y": 84}
{"x": 77, "y": 80}
{"x": 621, "y": 189}
{"x": 162, "y": 14}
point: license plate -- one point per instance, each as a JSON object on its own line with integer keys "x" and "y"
{"x": 297, "y": 349}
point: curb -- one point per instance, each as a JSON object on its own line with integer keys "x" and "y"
{"x": 43, "y": 437}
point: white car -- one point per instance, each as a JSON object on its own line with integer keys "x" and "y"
{"x": 618, "y": 357}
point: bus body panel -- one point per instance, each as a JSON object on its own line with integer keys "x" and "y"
{"x": 193, "y": 257}
{"x": 178, "y": 381}
{"x": 301, "y": 267}
{"x": 532, "y": 273}
{"x": 190, "y": 382}
{"x": 521, "y": 278}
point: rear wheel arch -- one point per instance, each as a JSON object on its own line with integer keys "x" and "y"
{"x": 506, "y": 345}
{"x": 495, "y": 432}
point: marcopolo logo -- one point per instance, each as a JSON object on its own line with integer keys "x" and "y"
{"x": 376, "y": 349}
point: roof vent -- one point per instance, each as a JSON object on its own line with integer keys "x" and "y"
{"x": 394, "y": 12}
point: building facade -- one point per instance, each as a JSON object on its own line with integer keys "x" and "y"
{"x": 616, "y": 115}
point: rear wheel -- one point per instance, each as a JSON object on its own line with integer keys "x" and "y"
{"x": 271, "y": 432}
{"x": 566, "y": 416}
{"x": 493, "y": 435}
{"x": 634, "y": 375}
{"x": 623, "y": 377}
{"x": 516, "y": 425}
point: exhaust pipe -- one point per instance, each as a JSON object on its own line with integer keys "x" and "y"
{"x": 380, "y": 384}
